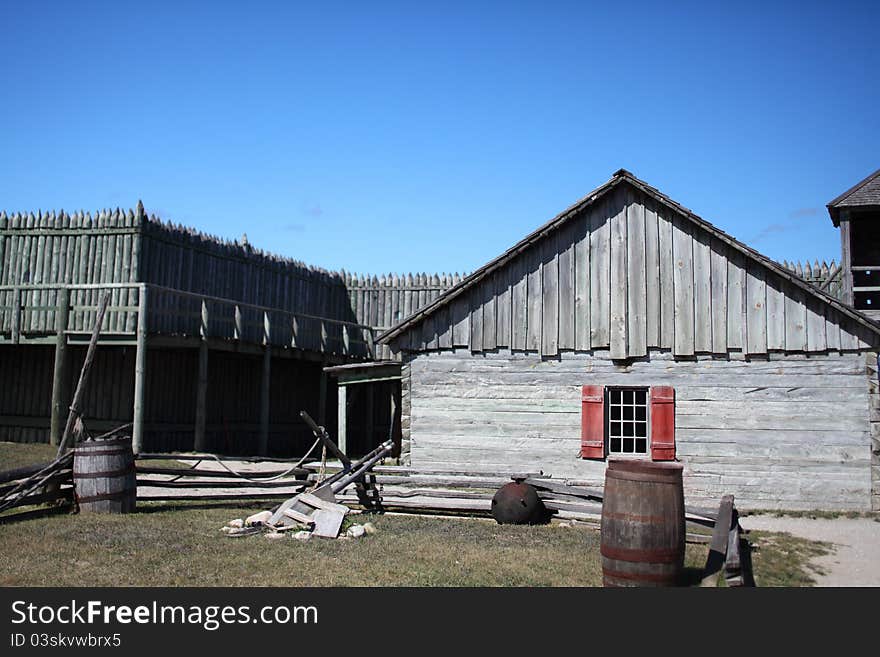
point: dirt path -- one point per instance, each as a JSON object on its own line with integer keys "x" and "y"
{"x": 855, "y": 560}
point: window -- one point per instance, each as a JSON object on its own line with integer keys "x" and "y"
{"x": 621, "y": 421}
{"x": 627, "y": 428}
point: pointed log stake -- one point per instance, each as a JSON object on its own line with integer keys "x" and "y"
{"x": 83, "y": 376}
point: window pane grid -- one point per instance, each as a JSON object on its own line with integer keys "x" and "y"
{"x": 627, "y": 421}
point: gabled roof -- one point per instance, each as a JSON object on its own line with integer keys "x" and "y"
{"x": 862, "y": 194}
{"x": 622, "y": 176}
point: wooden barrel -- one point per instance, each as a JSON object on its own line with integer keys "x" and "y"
{"x": 642, "y": 524}
{"x": 103, "y": 476}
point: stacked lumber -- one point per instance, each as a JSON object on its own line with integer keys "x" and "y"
{"x": 216, "y": 480}
{"x": 434, "y": 491}
{"x": 37, "y": 485}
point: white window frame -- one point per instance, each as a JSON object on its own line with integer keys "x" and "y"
{"x": 609, "y": 390}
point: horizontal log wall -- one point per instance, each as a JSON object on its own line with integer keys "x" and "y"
{"x": 790, "y": 432}
{"x": 629, "y": 274}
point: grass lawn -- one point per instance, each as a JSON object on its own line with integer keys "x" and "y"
{"x": 181, "y": 545}
{"x": 14, "y": 455}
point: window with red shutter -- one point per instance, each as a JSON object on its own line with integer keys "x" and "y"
{"x": 617, "y": 421}
{"x": 662, "y": 423}
{"x": 593, "y": 422}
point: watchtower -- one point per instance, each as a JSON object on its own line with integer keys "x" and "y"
{"x": 857, "y": 213}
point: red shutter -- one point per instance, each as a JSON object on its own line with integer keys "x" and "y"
{"x": 663, "y": 423}
{"x": 593, "y": 422}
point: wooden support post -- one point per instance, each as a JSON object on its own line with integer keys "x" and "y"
{"x": 237, "y": 329}
{"x": 342, "y": 419}
{"x": 16, "y": 315}
{"x": 202, "y": 383}
{"x": 846, "y": 280}
{"x": 371, "y": 349}
{"x": 264, "y": 391}
{"x": 322, "y": 397}
{"x": 59, "y": 374}
{"x": 140, "y": 369}
{"x": 370, "y": 416}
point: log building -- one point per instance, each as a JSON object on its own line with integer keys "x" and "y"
{"x": 629, "y": 327}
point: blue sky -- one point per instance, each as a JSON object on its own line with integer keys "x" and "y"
{"x": 400, "y": 137}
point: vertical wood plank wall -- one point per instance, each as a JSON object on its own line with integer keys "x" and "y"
{"x": 73, "y": 248}
{"x": 645, "y": 277}
{"x": 116, "y": 246}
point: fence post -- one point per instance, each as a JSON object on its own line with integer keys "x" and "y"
{"x": 371, "y": 350}
{"x": 59, "y": 373}
{"x": 202, "y": 382}
{"x": 237, "y": 329}
{"x": 342, "y": 417}
{"x": 140, "y": 369}
{"x": 265, "y": 388}
{"x": 16, "y": 315}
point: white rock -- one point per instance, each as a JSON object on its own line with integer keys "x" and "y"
{"x": 370, "y": 528}
{"x": 356, "y": 531}
{"x": 260, "y": 518}
{"x": 274, "y": 535}
{"x": 235, "y": 524}
{"x": 226, "y": 529}
{"x": 303, "y": 536}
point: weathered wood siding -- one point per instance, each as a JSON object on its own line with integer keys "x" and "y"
{"x": 78, "y": 248}
{"x": 116, "y": 246}
{"x": 788, "y": 432}
{"x": 383, "y": 301}
{"x": 630, "y": 274}
{"x": 184, "y": 259}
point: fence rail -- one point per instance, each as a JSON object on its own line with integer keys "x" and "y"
{"x": 29, "y": 312}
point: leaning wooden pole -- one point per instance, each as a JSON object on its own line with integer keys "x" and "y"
{"x": 75, "y": 411}
{"x": 140, "y": 369}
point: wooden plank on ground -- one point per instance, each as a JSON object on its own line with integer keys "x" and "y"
{"x": 718, "y": 546}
